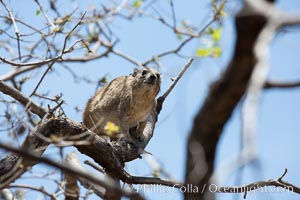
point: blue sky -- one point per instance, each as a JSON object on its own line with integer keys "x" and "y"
{"x": 278, "y": 128}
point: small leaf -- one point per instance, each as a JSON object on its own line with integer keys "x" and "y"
{"x": 137, "y": 3}
{"x": 179, "y": 36}
{"x": 217, "y": 52}
{"x": 111, "y": 129}
{"x": 217, "y": 34}
{"x": 201, "y": 52}
{"x": 222, "y": 10}
{"x": 38, "y": 12}
{"x": 210, "y": 30}
{"x": 223, "y": 13}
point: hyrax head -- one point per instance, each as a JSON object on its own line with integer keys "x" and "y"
{"x": 149, "y": 77}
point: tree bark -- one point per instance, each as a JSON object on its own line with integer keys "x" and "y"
{"x": 223, "y": 97}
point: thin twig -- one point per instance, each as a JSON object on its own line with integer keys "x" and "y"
{"x": 173, "y": 14}
{"x": 45, "y": 15}
{"x": 69, "y": 34}
{"x": 161, "y": 99}
{"x": 126, "y": 57}
{"x": 57, "y": 58}
{"x": 277, "y": 84}
{"x": 185, "y": 67}
{"x": 177, "y": 49}
{"x": 15, "y": 27}
{"x": 41, "y": 189}
{"x": 256, "y": 185}
{"x": 93, "y": 165}
{"x": 55, "y": 107}
{"x": 42, "y": 78}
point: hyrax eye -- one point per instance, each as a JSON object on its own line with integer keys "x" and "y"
{"x": 144, "y": 72}
{"x": 158, "y": 76}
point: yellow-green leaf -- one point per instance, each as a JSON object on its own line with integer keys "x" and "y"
{"x": 201, "y": 52}
{"x": 137, "y": 3}
{"x": 222, "y": 9}
{"x": 210, "y": 30}
{"x": 111, "y": 129}
{"x": 216, "y": 35}
{"x": 38, "y": 12}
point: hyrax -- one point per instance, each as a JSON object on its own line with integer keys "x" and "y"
{"x": 126, "y": 101}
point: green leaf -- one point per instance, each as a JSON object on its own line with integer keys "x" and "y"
{"x": 38, "y": 12}
{"x": 201, "y": 52}
{"x": 210, "y": 30}
{"x": 137, "y": 3}
{"x": 216, "y": 35}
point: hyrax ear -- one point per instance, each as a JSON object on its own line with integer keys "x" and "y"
{"x": 135, "y": 72}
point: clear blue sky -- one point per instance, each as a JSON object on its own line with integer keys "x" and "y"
{"x": 279, "y": 112}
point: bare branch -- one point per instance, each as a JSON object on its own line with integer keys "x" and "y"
{"x": 281, "y": 85}
{"x": 109, "y": 155}
{"x": 46, "y": 61}
{"x": 70, "y": 33}
{"x": 70, "y": 170}
{"x": 42, "y": 78}
{"x": 41, "y": 189}
{"x": 96, "y": 167}
{"x": 126, "y": 57}
{"x": 25, "y": 101}
{"x": 45, "y": 15}
{"x": 177, "y": 49}
{"x": 162, "y": 98}
{"x": 173, "y": 14}
{"x": 185, "y": 67}
{"x": 219, "y": 104}
{"x": 72, "y": 189}
{"x": 15, "y": 26}
{"x": 260, "y": 184}
{"x": 151, "y": 181}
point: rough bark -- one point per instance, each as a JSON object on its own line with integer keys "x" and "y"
{"x": 110, "y": 155}
{"x": 223, "y": 97}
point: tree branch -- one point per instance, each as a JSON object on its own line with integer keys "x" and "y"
{"x": 29, "y": 155}
{"x": 222, "y": 98}
{"x": 24, "y": 100}
{"x": 162, "y": 98}
{"x": 257, "y": 185}
{"x": 15, "y": 27}
{"x": 281, "y": 85}
{"x": 110, "y": 155}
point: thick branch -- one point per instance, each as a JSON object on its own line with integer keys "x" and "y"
{"x": 69, "y": 170}
{"x": 110, "y": 155}
{"x": 25, "y": 101}
{"x": 220, "y": 103}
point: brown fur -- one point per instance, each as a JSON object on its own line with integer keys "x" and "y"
{"x": 126, "y": 101}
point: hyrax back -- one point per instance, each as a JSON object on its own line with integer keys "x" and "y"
{"x": 126, "y": 101}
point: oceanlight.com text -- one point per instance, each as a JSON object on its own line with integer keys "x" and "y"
{"x": 213, "y": 188}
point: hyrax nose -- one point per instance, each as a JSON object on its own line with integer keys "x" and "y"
{"x": 152, "y": 77}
